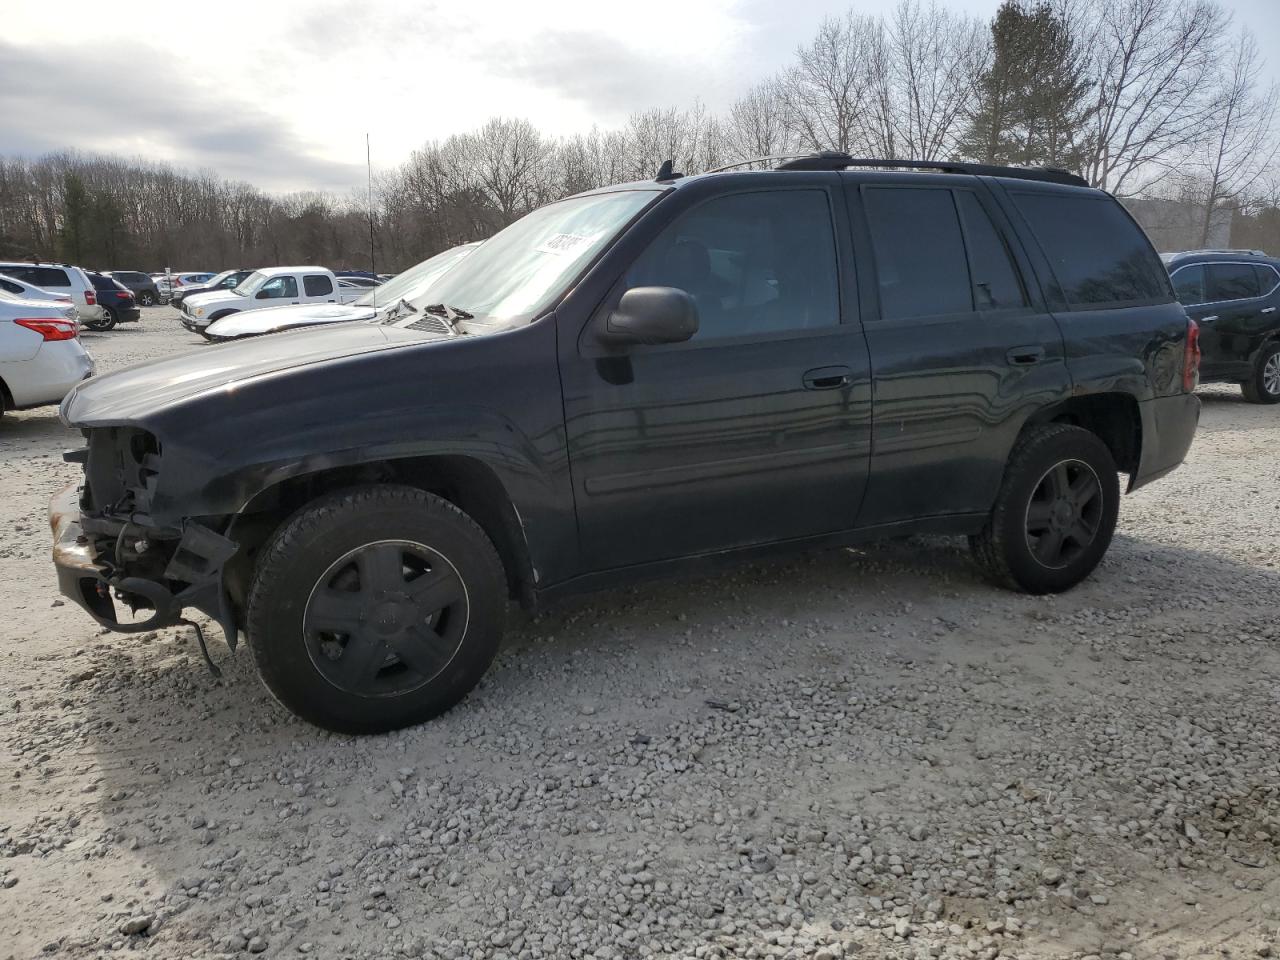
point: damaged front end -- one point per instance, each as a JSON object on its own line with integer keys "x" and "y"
{"x": 109, "y": 547}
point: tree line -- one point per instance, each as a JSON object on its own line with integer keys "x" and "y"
{"x": 1148, "y": 98}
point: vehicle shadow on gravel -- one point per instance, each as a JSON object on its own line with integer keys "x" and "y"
{"x": 19, "y": 431}
{"x": 194, "y": 771}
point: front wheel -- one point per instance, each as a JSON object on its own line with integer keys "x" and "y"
{"x": 1263, "y": 386}
{"x": 375, "y": 608}
{"x": 146, "y": 298}
{"x": 1055, "y": 514}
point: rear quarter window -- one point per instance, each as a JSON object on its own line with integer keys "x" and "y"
{"x": 1099, "y": 256}
{"x": 46, "y": 277}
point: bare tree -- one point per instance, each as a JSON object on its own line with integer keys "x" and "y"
{"x": 1243, "y": 144}
{"x": 757, "y": 124}
{"x": 1152, "y": 63}
{"x": 828, "y": 91}
{"x": 935, "y": 58}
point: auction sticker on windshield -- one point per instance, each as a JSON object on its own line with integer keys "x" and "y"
{"x": 559, "y": 243}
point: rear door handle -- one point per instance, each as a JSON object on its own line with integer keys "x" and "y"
{"x": 1268, "y": 309}
{"x": 1025, "y": 356}
{"x": 826, "y": 378}
{"x": 1207, "y": 319}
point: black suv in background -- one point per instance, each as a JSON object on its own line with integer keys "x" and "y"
{"x": 640, "y": 379}
{"x": 117, "y": 301}
{"x": 226, "y": 280}
{"x": 1234, "y": 295}
{"x": 144, "y": 288}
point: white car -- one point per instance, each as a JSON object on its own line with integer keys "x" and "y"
{"x": 167, "y": 283}
{"x": 29, "y": 291}
{"x": 58, "y": 278}
{"x": 409, "y": 285}
{"x": 41, "y": 357}
{"x": 270, "y": 287}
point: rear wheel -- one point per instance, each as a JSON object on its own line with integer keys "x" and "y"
{"x": 1264, "y": 385}
{"x": 146, "y": 298}
{"x": 1055, "y": 514}
{"x": 376, "y": 608}
{"x": 104, "y": 322}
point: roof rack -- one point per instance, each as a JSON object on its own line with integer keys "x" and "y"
{"x": 835, "y": 160}
{"x": 1236, "y": 253}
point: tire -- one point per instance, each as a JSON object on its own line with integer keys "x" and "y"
{"x": 332, "y": 565}
{"x": 103, "y": 323}
{"x": 146, "y": 299}
{"x": 1263, "y": 386}
{"x": 1016, "y": 548}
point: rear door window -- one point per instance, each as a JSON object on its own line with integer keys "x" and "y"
{"x": 317, "y": 285}
{"x": 1099, "y": 256}
{"x": 919, "y": 252}
{"x": 45, "y": 277}
{"x": 996, "y": 285}
{"x": 1188, "y": 284}
{"x": 1232, "y": 281}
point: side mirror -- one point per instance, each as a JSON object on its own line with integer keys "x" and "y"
{"x": 651, "y": 315}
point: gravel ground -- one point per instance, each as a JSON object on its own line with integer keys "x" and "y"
{"x": 865, "y": 752}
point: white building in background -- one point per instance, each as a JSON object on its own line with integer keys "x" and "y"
{"x": 1174, "y": 225}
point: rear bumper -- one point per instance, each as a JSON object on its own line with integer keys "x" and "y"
{"x": 1168, "y": 427}
{"x": 50, "y": 375}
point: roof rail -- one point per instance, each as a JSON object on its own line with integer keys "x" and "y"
{"x": 1233, "y": 252}
{"x": 834, "y": 160}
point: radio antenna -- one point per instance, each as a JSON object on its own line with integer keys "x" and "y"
{"x": 368, "y": 166}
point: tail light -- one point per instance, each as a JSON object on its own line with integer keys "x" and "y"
{"x": 1191, "y": 358}
{"x": 124, "y": 294}
{"x": 177, "y": 281}
{"x": 91, "y": 297}
{"x": 50, "y": 329}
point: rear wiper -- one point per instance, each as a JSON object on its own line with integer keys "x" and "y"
{"x": 451, "y": 315}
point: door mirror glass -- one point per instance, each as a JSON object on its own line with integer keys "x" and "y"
{"x": 650, "y": 315}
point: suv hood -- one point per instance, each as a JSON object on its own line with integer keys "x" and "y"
{"x": 131, "y": 394}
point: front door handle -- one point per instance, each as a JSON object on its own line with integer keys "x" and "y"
{"x": 1268, "y": 309}
{"x": 827, "y": 378}
{"x": 1207, "y": 319}
{"x": 1025, "y": 356}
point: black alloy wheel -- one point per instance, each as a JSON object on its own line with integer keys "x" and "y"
{"x": 1065, "y": 513}
{"x": 386, "y": 618}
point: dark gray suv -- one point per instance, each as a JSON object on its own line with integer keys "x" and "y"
{"x": 643, "y": 379}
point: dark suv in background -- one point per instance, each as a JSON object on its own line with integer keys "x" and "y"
{"x": 1234, "y": 295}
{"x": 641, "y": 379}
{"x": 118, "y": 303}
{"x": 144, "y": 288}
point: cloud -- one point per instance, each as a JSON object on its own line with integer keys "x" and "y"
{"x": 56, "y": 98}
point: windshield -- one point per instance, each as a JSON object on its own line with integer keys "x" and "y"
{"x": 516, "y": 274}
{"x": 415, "y": 281}
{"x": 250, "y": 284}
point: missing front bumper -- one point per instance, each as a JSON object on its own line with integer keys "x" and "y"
{"x": 196, "y": 567}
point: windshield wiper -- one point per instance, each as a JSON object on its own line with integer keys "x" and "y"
{"x": 451, "y": 315}
{"x": 398, "y": 309}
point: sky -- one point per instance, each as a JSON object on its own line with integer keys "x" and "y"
{"x": 280, "y": 93}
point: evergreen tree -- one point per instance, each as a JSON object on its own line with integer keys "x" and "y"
{"x": 76, "y": 214}
{"x": 1031, "y": 100}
